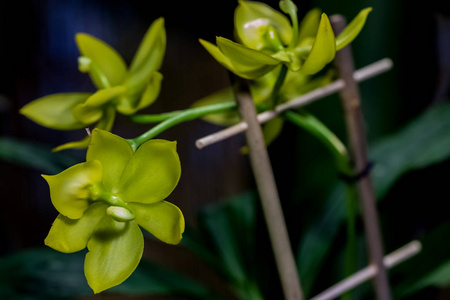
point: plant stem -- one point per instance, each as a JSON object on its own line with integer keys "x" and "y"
{"x": 358, "y": 146}
{"x": 265, "y": 181}
{"x": 351, "y": 247}
{"x": 156, "y": 118}
{"x": 274, "y": 96}
{"x": 314, "y": 126}
{"x": 327, "y": 137}
{"x": 175, "y": 118}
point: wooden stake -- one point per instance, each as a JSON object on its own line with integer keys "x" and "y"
{"x": 268, "y": 193}
{"x": 350, "y": 99}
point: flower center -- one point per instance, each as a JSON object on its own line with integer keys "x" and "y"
{"x": 118, "y": 209}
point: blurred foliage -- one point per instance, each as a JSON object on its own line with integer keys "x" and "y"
{"x": 45, "y": 274}
{"x": 34, "y": 155}
{"x": 232, "y": 239}
{"x": 394, "y": 156}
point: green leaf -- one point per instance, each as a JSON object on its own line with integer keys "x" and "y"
{"x": 406, "y": 151}
{"x": 431, "y": 267}
{"x": 34, "y": 155}
{"x": 227, "y": 242}
{"x": 163, "y": 220}
{"x": 323, "y": 49}
{"x": 42, "y": 274}
{"x": 248, "y": 63}
{"x": 150, "y": 54}
{"x": 45, "y": 274}
{"x": 108, "y": 62}
{"x": 152, "y": 173}
{"x": 67, "y": 235}
{"x": 113, "y": 152}
{"x": 69, "y": 190}
{"x": 251, "y": 20}
{"x": 55, "y": 111}
{"x": 93, "y": 108}
{"x": 309, "y": 25}
{"x": 393, "y": 156}
{"x": 150, "y": 278}
{"x": 353, "y": 29}
{"x": 115, "y": 250}
{"x": 130, "y": 104}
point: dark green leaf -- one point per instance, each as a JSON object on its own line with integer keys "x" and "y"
{"x": 34, "y": 155}
{"x": 227, "y": 242}
{"x": 45, "y": 274}
{"x": 393, "y": 157}
{"x": 42, "y": 274}
{"x": 431, "y": 267}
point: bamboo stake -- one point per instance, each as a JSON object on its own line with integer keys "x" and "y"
{"x": 265, "y": 181}
{"x": 391, "y": 260}
{"x": 350, "y": 99}
{"x": 360, "y": 75}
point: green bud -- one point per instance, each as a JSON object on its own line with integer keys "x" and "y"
{"x": 120, "y": 214}
{"x": 251, "y": 19}
{"x": 84, "y": 64}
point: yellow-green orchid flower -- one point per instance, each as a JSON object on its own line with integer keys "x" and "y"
{"x": 103, "y": 202}
{"x": 121, "y": 89}
{"x": 267, "y": 39}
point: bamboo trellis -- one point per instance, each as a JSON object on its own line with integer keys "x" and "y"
{"x": 350, "y": 98}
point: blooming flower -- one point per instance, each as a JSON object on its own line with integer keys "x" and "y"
{"x": 103, "y": 201}
{"x": 267, "y": 39}
{"x": 119, "y": 89}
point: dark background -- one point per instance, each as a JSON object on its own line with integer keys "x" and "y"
{"x": 38, "y": 56}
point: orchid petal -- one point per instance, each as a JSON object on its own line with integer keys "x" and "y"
{"x": 70, "y": 189}
{"x": 152, "y": 173}
{"x": 68, "y": 236}
{"x": 113, "y": 152}
{"x": 115, "y": 250}
{"x": 55, "y": 111}
{"x": 162, "y": 219}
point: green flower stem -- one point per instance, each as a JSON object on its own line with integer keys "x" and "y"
{"x": 351, "y": 250}
{"x": 274, "y": 97}
{"x": 294, "y": 20}
{"x": 175, "y": 118}
{"x": 342, "y": 160}
{"x": 328, "y": 138}
{"x": 156, "y": 118}
{"x": 288, "y": 7}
